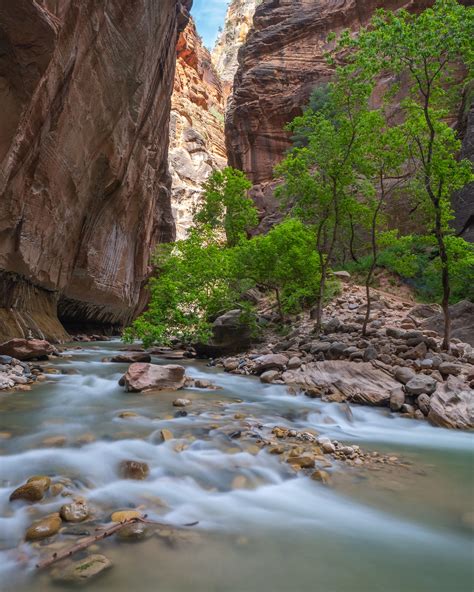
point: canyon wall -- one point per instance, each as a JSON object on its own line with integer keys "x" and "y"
{"x": 85, "y": 89}
{"x": 197, "y": 144}
{"x": 280, "y": 64}
{"x": 238, "y": 22}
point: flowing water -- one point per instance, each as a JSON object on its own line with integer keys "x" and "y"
{"x": 404, "y": 528}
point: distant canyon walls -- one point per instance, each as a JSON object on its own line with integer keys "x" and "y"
{"x": 280, "y": 64}
{"x": 85, "y": 89}
{"x": 197, "y": 142}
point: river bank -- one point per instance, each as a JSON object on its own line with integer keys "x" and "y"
{"x": 262, "y": 525}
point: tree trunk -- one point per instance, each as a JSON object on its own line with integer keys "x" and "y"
{"x": 445, "y": 280}
{"x": 280, "y": 309}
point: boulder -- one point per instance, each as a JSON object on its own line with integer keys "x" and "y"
{"x": 32, "y": 491}
{"x": 425, "y": 311}
{"x": 421, "y": 384}
{"x": 81, "y": 571}
{"x": 131, "y": 358}
{"x": 294, "y": 363}
{"x": 230, "y": 334}
{"x": 344, "y": 276}
{"x": 452, "y": 406}
{"x": 462, "y": 322}
{"x": 352, "y": 381}
{"x": 270, "y": 362}
{"x": 146, "y": 377}
{"x": 26, "y": 349}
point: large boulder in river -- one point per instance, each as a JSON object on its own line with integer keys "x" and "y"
{"x": 462, "y": 322}
{"x": 230, "y": 334}
{"x": 357, "y": 382}
{"x": 452, "y": 406}
{"x": 131, "y": 358}
{"x": 147, "y": 377}
{"x": 26, "y": 349}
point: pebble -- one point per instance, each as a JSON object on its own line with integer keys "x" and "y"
{"x": 132, "y": 469}
{"x": 181, "y": 402}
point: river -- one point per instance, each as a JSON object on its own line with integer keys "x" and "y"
{"x": 404, "y": 528}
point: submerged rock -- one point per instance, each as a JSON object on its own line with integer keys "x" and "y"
{"x": 145, "y": 377}
{"x": 81, "y": 571}
{"x": 132, "y": 469}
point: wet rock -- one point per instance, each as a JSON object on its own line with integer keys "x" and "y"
{"x": 132, "y": 469}
{"x": 44, "y": 528}
{"x": 326, "y": 445}
{"x": 202, "y": 383}
{"x": 166, "y": 435}
{"x": 82, "y": 571}
{"x": 133, "y": 532}
{"x": 54, "y": 441}
{"x": 131, "y": 358}
{"x": 29, "y": 492}
{"x": 421, "y": 384}
{"x": 269, "y": 376}
{"x": 270, "y": 362}
{"x": 76, "y": 511}
{"x": 449, "y": 368}
{"x": 304, "y": 462}
{"x": 42, "y": 480}
{"x": 26, "y": 349}
{"x": 423, "y": 402}
{"x": 181, "y": 403}
{"x": 397, "y": 399}
{"x": 321, "y": 476}
{"x": 124, "y": 515}
{"x": 145, "y": 377}
{"x": 127, "y": 415}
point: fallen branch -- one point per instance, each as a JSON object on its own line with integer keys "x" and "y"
{"x": 103, "y": 534}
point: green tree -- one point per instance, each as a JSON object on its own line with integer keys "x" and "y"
{"x": 425, "y": 50}
{"x": 320, "y": 178}
{"x": 283, "y": 261}
{"x": 193, "y": 282}
{"x": 226, "y": 206}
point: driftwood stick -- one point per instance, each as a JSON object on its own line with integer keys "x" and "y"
{"x": 103, "y": 534}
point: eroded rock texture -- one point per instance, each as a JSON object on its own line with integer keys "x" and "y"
{"x": 238, "y": 22}
{"x": 197, "y": 145}
{"x": 85, "y": 91}
{"x": 280, "y": 64}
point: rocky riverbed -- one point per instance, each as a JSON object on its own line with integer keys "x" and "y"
{"x": 265, "y": 477}
{"x": 398, "y": 364}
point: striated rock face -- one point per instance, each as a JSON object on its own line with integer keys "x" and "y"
{"x": 197, "y": 144}
{"x": 238, "y": 22}
{"x": 84, "y": 185}
{"x": 279, "y": 66}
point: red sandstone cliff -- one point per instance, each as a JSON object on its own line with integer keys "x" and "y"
{"x": 85, "y": 91}
{"x": 197, "y": 144}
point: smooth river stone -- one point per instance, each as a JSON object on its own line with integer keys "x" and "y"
{"x": 81, "y": 571}
{"x": 44, "y": 528}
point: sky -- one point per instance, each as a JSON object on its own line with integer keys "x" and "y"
{"x": 209, "y": 16}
